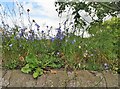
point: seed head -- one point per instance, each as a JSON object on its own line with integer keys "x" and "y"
{"x": 28, "y": 10}
{"x": 33, "y": 20}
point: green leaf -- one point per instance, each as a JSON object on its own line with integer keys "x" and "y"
{"x": 26, "y": 69}
{"x": 31, "y": 59}
{"x": 35, "y": 74}
{"x": 27, "y": 66}
{"x": 39, "y": 70}
{"x": 32, "y": 66}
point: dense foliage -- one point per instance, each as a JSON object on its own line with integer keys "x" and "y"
{"x": 39, "y": 52}
{"x": 71, "y": 52}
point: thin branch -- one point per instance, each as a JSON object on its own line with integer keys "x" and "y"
{"x": 105, "y": 5}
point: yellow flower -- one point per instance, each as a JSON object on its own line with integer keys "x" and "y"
{"x": 79, "y": 46}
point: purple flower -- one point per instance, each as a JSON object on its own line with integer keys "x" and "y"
{"x": 65, "y": 22}
{"x": 71, "y": 23}
{"x": 60, "y": 36}
{"x": 38, "y": 29}
{"x": 42, "y": 31}
{"x": 37, "y": 25}
{"x": 30, "y": 37}
{"x": 58, "y": 29}
{"x": 47, "y": 26}
{"x": 21, "y": 34}
{"x": 3, "y": 22}
{"x": 52, "y": 39}
{"x": 73, "y": 41}
{"x": 23, "y": 30}
{"x": 31, "y": 31}
{"x": 48, "y": 30}
{"x": 15, "y": 37}
{"x": 74, "y": 31}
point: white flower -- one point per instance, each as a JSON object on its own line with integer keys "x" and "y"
{"x": 91, "y": 55}
{"x": 11, "y": 45}
{"x": 106, "y": 66}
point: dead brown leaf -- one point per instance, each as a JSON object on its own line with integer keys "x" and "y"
{"x": 21, "y": 58}
{"x": 53, "y": 71}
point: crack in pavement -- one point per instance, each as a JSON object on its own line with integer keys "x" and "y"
{"x": 98, "y": 82}
{"x": 105, "y": 80}
{"x": 9, "y": 79}
{"x": 4, "y": 73}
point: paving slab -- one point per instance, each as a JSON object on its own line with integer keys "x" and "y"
{"x": 6, "y": 78}
{"x": 52, "y": 80}
{"x": 82, "y": 78}
{"x": 31, "y": 82}
{"x": 71, "y": 75}
{"x": 86, "y": 79}
{"x": 71, "y": 82}
{"x": 19, "y": 79}
{"x": 41, "y": 81}
{"x": 63, "y": 78}
{"x": 111, "y": 79}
